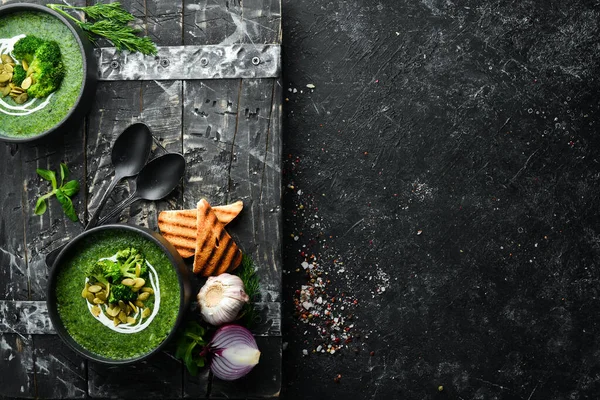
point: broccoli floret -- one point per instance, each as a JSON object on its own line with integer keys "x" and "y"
{"x": 26, "y": 47}
{"x": 121, "y": 292}
{"x": 46, "y": 70}
{"x": 112, "y": 271}
{"x": 129, "y": 261}
{"x": 96, "y": 272}
{"x": 18, "y": 75}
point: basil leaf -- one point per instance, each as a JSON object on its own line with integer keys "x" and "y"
{"x": 70, "y": 188}
{"x": 48, "y": 175}
{"x": 40, "y": 206}
{"x": 64, "y": 173}
{"x": 67, "y": 205}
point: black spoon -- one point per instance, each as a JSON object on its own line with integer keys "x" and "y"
{"x": 129, "y": 155}
{"x": 157, "y": 179}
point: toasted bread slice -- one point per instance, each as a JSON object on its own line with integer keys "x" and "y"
{"x": 179, "y": 226}
{"x": 216, "y": 252}
{"x": 225, "y": 214}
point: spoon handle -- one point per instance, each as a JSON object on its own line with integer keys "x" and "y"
{"x": 115, "y": 211}
{"x": 94, "y": 219}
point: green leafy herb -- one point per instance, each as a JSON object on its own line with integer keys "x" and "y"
{"x": 247, "y": 274}
{"x": 190, "y": 344}
{"x": 63, "y": 193}
{"x": 110, "y": 21}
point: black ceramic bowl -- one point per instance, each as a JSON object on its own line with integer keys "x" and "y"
{"x": 78, "y": 244}
{"x": 82, "y": 105}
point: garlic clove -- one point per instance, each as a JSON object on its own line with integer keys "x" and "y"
{"x": 222, "y": 298}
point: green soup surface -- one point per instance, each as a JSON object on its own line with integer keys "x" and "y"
{"x": 84, "y": 328}
{"x": 47, "y": 27}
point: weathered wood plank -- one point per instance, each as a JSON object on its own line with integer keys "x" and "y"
{"x": 156, "y": 378}
{"x": 16, "y": 351}
{"x": 264, "y": 381}
{"x": 13, "y": 266}
{"x": 210, "y": 113}
{"x": 191, "y": 62}
{"x": 59, "y": 372}
{"x": 262, "y": 21}
{"x": 255, "y": 176}
{"x": 17, "y": 366}
{"x": 25, "y": 317}
{"x": 211, "y": 22}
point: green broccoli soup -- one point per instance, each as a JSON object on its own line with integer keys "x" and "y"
{"x": 37, "y": 109}
{"x": 94, "y": 294}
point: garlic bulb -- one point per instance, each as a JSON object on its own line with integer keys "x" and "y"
{"x": 222, "y": 298}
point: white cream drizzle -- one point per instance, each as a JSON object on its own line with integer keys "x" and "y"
{"x": 139, "y": 325}
{"x": 30, "y": 106}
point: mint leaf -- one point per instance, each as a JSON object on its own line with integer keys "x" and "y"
{"x": 70, "y": 188}
{"x": 40, "y": 206}
{"x": 64, "y": 173}
{"x": 48, "y": 175}
{"x": 67, "y": 205}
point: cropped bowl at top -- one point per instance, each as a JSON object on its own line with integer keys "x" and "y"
{"x": 63, "y": 110}
{"x": 93, "y": 336}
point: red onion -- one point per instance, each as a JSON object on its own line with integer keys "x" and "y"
{"x": 234, "y": 352}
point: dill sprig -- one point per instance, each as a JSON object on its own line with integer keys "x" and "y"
{"x": 247, "y": 273}
{"x": 110, "y": 21}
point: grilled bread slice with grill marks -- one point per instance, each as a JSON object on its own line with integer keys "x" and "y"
{"x": 216, "y": 251}
{"x": 179, "y": 226}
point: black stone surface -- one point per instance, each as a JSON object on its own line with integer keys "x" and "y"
{"x": 447, "y": 161}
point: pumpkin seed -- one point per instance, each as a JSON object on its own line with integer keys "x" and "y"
{"x": 95, "y": 288}
{"x": 130, "y": 320}
{"x": 122, "y": 317}
{"x": 138, "y": 270}
{"x": 121, "y": 304}
{"x": 25, "y": 65}
{"x": 26, "y": 83}
{"x": 98, "y": 301}
{"x": 90, "y": 297}
{"x": 148, "y": 289}
{"x": 133, "y": 307}
{"x": 7, "y": 59}
{"x": 5, "y": 91}
{"x": 143, "y": 296}
{"x": 84, "y": 293}
{"x": 135, "y": 289}
{"x": 113, "y": 311}
{"x": 8, "y": 68}
{"x": 146, "y": 313}
{"x": 128, "y": 282}
{"x": 22, "y": 98}
{"x": 116, "y": 321}
{"x": 96, "y": 311}
{"x": 139, "y": 304}
{"x": 139, "y": 282}
{"x": 5, "y": 77}
{"x": 101, "y": 295}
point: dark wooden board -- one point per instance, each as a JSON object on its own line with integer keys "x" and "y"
{"x": 232, "y": 152}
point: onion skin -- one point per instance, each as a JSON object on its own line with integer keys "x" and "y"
{"x": 234, "y": 352}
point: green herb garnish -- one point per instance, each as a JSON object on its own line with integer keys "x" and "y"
{"x": 247, "y": 273}
{"x": 190, "y": 345}
{"x": 63, "y": 193}
{"x": 110, "y": 21}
